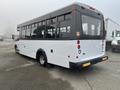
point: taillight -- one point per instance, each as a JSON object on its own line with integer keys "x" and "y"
{"x": 78, "y": 47}
{"x": 78, "y": 44}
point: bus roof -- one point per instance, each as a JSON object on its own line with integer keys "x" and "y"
{"x": 59, "y": 12}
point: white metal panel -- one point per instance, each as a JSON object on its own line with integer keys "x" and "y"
{"x": 64, "y": 51}
{"x": 91, "y": 49}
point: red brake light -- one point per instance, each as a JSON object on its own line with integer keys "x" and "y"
{"x": 78, "y": 42}
{"x": 78, "y": 46}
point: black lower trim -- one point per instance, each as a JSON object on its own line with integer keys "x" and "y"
{"x": 79, "y": 65}
{"x": 116, "y": 47}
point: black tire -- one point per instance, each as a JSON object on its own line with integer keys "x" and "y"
{"x": 42, "y": 59}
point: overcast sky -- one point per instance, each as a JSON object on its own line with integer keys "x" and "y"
{"x": 13, "y": 12}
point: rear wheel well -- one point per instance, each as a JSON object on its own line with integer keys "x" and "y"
{"x": 40, "y": 52}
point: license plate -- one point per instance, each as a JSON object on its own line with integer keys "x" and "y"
{"x": 86, "y": 64}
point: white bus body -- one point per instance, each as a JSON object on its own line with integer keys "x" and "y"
{"x": 82, "y": 51}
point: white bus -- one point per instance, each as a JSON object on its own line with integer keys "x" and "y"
{"x": 71, "y": 37}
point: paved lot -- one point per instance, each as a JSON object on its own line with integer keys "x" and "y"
{"x": 21, "y": 73}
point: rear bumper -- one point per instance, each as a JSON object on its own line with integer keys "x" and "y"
{"x": 80, "y": 65}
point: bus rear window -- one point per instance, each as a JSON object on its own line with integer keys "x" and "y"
{"x": 91, "y": 26}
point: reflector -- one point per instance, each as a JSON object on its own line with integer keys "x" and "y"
{"x": 78, "y": 46}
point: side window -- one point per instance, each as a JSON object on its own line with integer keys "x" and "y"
{"x": 25, "y": 27}
{"x": 20, "y": 33}
{"x": 68, "y": 29}
{"x": 64, "y": 32}
{"x": 58, "y": 33}
{"x": 32, "y": 25}
{"x": 27, "y": 35}
{"x": 36, "y": 24}
{"x": 18, "y": 28}
{"x": 61, "y": 18}
{"x": 23, "y": 33}
{"x": 50, "y": 31}
{"x": 117, "y": 33}
{"x": 93, "y": 30}
{"x": 64, "y": 26}
{"x": 43, "y": 23}
{"x": 39, "y": 24}
{"x": 68, "y": 16}
{"x": 39, "y": 32}
{"x": 29, "y": 27}
{"x": 48, "y": 21}
{"x": 53, "y": 20}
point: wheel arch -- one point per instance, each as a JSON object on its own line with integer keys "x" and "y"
{"x": 40, "y": 51}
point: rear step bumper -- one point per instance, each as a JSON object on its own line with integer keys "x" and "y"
{"x": 81, "y": 65}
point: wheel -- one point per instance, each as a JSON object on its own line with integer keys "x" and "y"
{"x": 42, "y": 60}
